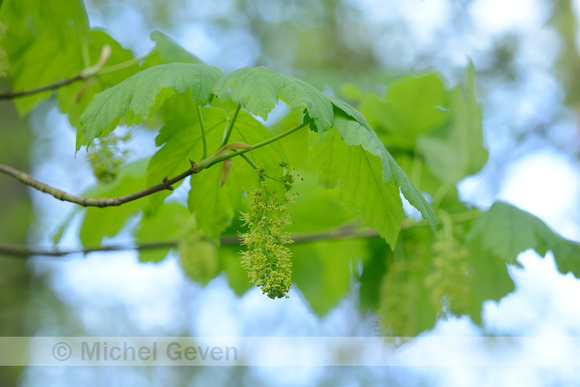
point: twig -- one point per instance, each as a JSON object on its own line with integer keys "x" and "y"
{"x": 95, "y": 202}
{"x": 163, "y": 185}
{"x": 25, "y": 251}
{"x": 87, "y": 73}
{"x": 52, "y": 86}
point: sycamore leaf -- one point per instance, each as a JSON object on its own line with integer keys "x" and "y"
{"x": 44, "y": 43}
{"x": 160, "y": 226}
{"x": 490, "y": 279}
{"x": 323, "y": 271}
{"x": 259, "y": 89}
{"x": 74, "y": 99}
{"x": 214, "y": 206}
{"x": 180, "y": 141}
{"x": 355, "y": 133}
{"x": 136, "y": 95}
{"x": 101, "y": 222}
{"x": 167, "y": 51}
{"x": 359, "y": 177}
{"x": 416, "y": 104}
{"x": 229, "y": 264}
{"x": 457, "y": 151}
{"x": 249, "y": 131}
{"x": 506, "y": 231}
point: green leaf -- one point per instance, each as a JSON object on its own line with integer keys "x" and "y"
{"x": 310, "y": 195}
{"x": 457, "y": 151}
{"x": 163, "y": 225}
{"x": 136, "y": 95}
{"x": 44, "y": 43}
{"x": 259, "y": 89}
{"x": 506, "y": 231}
{"x": 214, "y": 206}
{"x": 489, "y": 280}
{"x": 373, "y": 273}
{"x": 180, "y": 141}
{"x": 229, "y": 263}
{"x": 167, "y": 51}
{"x": 416, "y": 104}
{"x": 74, "y": 99}
{"x": 324, "y": 270}
{"x": 354, "y": 133}
{"x": 359, "y": 177}
{"x": 101, "y": 222}
{"x": 250, "y": 131}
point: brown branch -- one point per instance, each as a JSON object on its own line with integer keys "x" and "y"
{"x": 165, "y": 184}
{"x": 84, "y": 74}
{"x": 25, "y": 251}
{"x": 96, "y": 202}
{"x": 52, "y": 86}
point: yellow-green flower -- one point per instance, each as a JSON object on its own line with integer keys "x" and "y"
{"x": 267, "y": 260}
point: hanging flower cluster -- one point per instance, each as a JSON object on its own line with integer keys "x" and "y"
{"x": 268, "y": 260}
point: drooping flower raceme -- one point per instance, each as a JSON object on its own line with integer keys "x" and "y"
{"x": 268, "y": 260}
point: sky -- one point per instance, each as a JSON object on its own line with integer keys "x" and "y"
{"x": 535, "y": 176}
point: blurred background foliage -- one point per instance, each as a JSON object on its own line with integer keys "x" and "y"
{"x": 528, "y": 82}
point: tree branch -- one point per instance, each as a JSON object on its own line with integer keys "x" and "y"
{"x": 25, "y": 251}
{"x": 96, "y": 202}
{"x": 84, "y": 74}
{"x": 165, "y": 184}
{"x": 52, "y": 86}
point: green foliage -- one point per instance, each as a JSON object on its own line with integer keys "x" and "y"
{"x": 456, "y": 149}
{"x": 57, "y": 30}
{"x": 325, "y": 271}
{"x": 259, "y": 89}
{"x": 442, "y": 132}
{"x": 358, "y": 174}
{"x": 350, "y": 178}
{"x": 506, "y": 231}
{"x": 135, "y": 97}
{"x": 75, "y": 98}
{"x": 167, "y": 51}
{"x": 353, "y": 133}
{"x": 180, "y": 141}
{"x": 164, "y": 225}
{"x": 99, "y": 223}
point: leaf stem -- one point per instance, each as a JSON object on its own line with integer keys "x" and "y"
{"x": 256, "y": 146}
{"x": 200, "y": 118}
{"x": 119, "y": 66}
{"x": 230, "y": 127}
{"x": 249, "y": 161}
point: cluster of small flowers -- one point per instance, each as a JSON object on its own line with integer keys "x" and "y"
{"x": 108, "y": 154}
{"x": 267, "y": 260}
